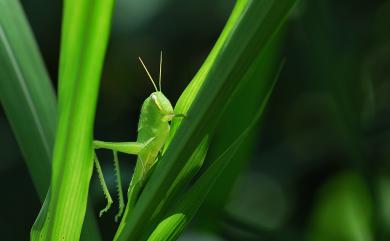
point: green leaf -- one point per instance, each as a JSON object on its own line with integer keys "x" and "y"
{"x": 250, "y": 28}
{"x": 171, "y": 227}
{"x": 26, "y": 93}
{"x": 183, "y": 211}
{"x": 81, "y": 61}
{"x": 180, "y": 213}
{"x": 29, "y": 100}
{"x": 251, "y": 93}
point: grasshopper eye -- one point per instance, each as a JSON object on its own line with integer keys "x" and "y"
{"x": 154, "y": 98}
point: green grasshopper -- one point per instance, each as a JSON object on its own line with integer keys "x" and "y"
{"x": 153, "y": 132}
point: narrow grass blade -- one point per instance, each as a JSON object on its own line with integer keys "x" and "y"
{"x": 85, "y": 32}
{"x": 252, "y": 25}
{"x": 251, "y": 94}
{"x": 29, "y": 100}
{"x": 26, "y": 93}
{"x": 172, "y": 226}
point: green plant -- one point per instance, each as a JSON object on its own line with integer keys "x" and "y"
{"x": 172, "y": 196}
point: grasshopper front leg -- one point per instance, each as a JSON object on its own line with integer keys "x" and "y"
{"x": 133, "y": 148}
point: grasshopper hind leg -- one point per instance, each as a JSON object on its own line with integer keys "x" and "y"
{"x": 119, "y": 187}
{"x": 105, "y": 188}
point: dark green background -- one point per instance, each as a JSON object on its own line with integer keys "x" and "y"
{"x": 329, "y": 114}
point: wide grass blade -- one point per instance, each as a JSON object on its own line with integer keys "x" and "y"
{"x": 185, "y": 209}
{"x": 251, "y": 26}
{"x": 29, "y": 100}
{"x": 85, "y": 32}
{"x": 216, "y": 177}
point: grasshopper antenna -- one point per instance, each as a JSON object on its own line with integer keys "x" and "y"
{"x": 150, "y": 77}
{"x": 159, "y": 78}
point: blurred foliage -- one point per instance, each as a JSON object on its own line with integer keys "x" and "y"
{"x": 343, "y": 211}
{"x": 329, "y": 113}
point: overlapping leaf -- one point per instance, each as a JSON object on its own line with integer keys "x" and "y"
{"x": 251, "y": 26}
{"x": 82, "y": 55}
{"x": 29, "y": 100}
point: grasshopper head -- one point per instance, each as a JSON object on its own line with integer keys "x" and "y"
{"x": 163, "y": 105}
